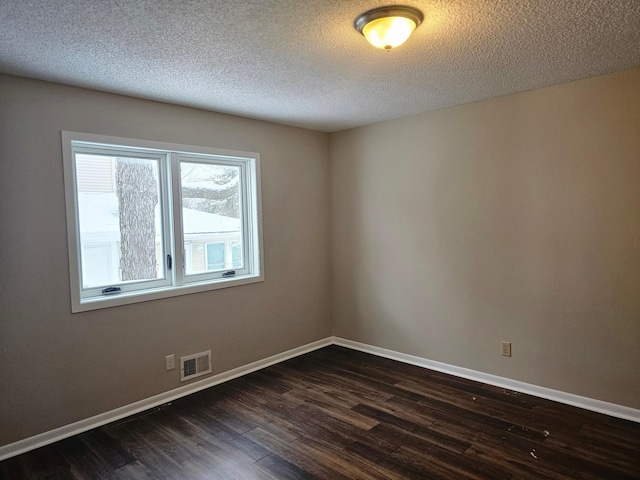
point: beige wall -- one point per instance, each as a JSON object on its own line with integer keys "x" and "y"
{"x": 57, "y": 368}
{"x": 516, "y": 218}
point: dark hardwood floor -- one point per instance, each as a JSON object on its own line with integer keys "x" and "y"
{"x": 337, "y": 414}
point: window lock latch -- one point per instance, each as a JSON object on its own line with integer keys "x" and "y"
{"x": 110, "y": 290}
{"x": 169, "y": 262}
{"x": 230, "y": 273}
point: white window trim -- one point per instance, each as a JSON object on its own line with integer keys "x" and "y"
{"x": 180, "y": 285}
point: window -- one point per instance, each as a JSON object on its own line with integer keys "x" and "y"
{"x": 149, "y": 220}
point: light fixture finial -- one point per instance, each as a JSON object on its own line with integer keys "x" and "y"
{"x": 388, "y": 27}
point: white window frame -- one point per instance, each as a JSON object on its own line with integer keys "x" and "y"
{"x": 175, "y": 282}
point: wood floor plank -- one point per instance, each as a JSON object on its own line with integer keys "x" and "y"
{"x": 134, "y": 471}
{"x": 450, "y": 465}
{"x": 528, "y": 456}
{"x": 37, "y": 464}
{"x": 83, "y": 462}
{"x": 142, "y": 443}
{"x": 612, "y": 436}
{"x": 337, "y": 413}
{"x": 282, "y": 469}
{"x": 106, "y": 448}
{"x": 328, "y": 405}
{"x": 304, "y": 458}
{"x": 202, "y": 429}
{"x": 419, "y": 437}
{"x": 383, "y": 460}
{"x": 354, "y": 468}
{"x": 520, "y": 464}
{"x": 622, "y": 457}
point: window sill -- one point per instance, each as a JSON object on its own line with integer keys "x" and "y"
{"x": 96, "y": 303}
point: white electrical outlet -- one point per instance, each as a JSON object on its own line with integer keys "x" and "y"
{"x": 170, "y": 362}
{"x": 506, "y": 349}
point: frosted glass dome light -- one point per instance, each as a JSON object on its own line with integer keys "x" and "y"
{"x": 388, "y": 27}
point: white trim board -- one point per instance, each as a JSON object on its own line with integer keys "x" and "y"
{"x": 586, "y": 403}
{"x": 46, "y": 438}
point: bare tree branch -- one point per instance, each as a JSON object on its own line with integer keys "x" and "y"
{"x": 209, "y": 193}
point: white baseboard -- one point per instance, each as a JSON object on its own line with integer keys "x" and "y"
{"x": 599, "y": 406}
{"x": 75, "y": 428}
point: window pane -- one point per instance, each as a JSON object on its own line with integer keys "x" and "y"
{"x": 215, "y": 256}
{"x": 211, "y": 216}
{"x": 236, "y": 255}
{"x": 119, "y": 220}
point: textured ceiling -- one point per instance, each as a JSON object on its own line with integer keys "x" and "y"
{"x": 302, "y": 63}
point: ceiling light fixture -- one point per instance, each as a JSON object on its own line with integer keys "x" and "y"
{"x": 388, "y": 27}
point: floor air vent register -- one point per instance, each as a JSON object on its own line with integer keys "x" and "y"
{"x": 193, "y": 366}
